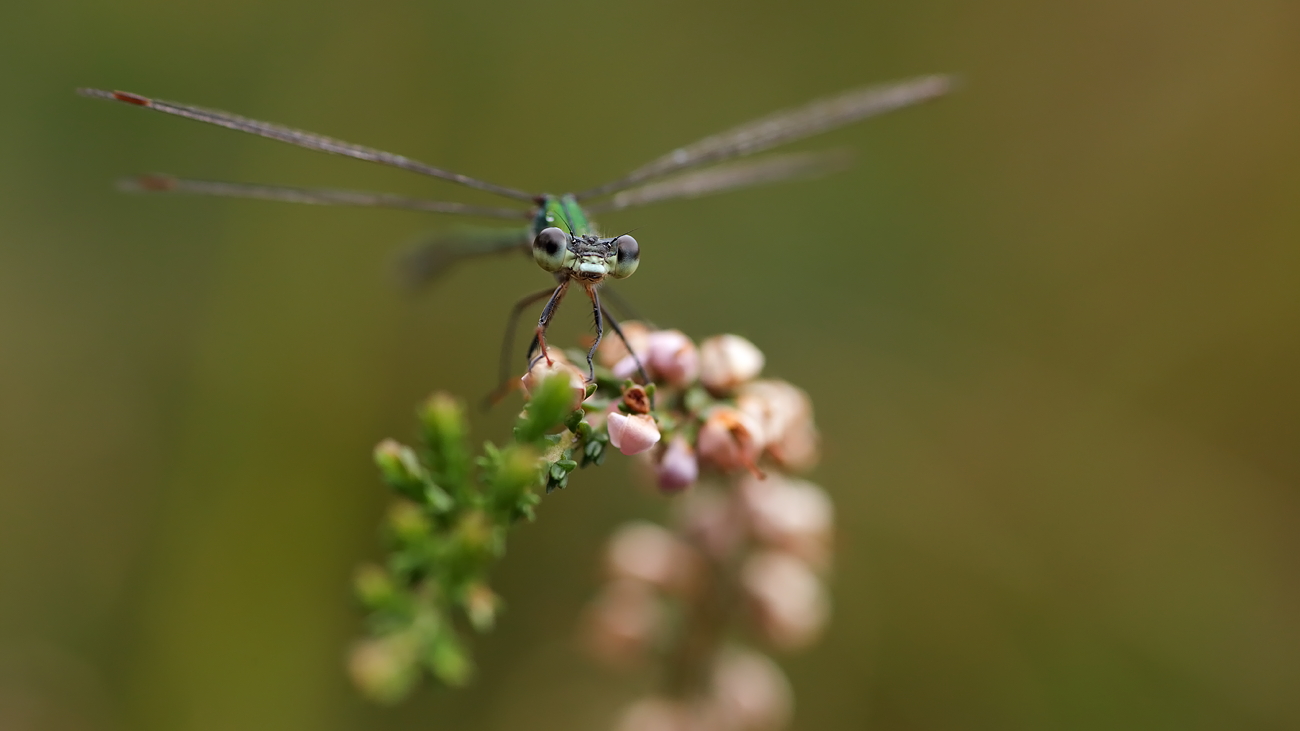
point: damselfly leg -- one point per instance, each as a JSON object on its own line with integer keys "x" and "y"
{"x": 504, "y": 382}
{"x": 596, "y": 310}
{"x": 544, "y": 322}
{"x": 613, "y": 324}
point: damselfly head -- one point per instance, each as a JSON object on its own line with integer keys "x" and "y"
{"x": 589, "y": 258}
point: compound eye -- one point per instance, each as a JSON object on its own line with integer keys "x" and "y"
{"x": 629, "y": 255}
{"x": 549, "y": 249}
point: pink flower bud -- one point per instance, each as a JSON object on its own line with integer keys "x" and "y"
{"x": 785, "y": 415}
{"x": 678, "y": 468}
{"x": 613, "y": 349}
{"x": 788, "y": 601}
{"x": 711, "y": 521}
{"x": 750, "y": 692}
{"x": 626, "y": 368}
{"x": 559, "y": 366}
{"x": 790, "y": 514}
{"x": 651, "y": 553}
{"x": 659, "y": 714}
{"x": 797, "y": 449}
{"x": 622, "y": 623}
{"x": 672, "y": 358}
{"x": 632, "y": 434}
{"x": 726, "y": 361}
{"x": 730, "y": 439}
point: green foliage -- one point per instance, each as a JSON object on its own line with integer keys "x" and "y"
{"x": 449, "y": 528}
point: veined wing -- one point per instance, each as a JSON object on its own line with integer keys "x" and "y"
{"x": 434, "y": 257}
{"x": 728, "y": 176}
{"x": 312, "y": 196}
{"x": 787, "y": 126}
{"x": 300, "y": 138}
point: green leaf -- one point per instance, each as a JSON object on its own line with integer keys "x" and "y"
{"x": 446, "y": 442}
{"x": 449, "y": 661}
{"x": 551, "y": 401}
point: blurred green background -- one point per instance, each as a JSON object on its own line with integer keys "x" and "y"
{"x": 1050, "y": 325}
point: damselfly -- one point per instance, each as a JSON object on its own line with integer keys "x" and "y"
{"x": 574, "y": 254}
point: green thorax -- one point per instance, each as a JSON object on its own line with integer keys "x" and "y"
{"x": 561, "y": 210}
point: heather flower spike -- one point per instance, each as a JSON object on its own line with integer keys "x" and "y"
{"x": 746, "y": 528}
{"x": 699, "y": 416}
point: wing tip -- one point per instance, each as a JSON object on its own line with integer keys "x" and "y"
{"x": 120, "y": 96}
{"x": 148, "y": 183}
{"x": 941, "y": 84}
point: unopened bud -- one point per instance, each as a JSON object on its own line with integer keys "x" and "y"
{"x": 400, "y": 468}
{"x": 678, "y": 467}
{"x": 374, "y": 587}
{"x": 659, "y": 714}
{"x": 797, "y": 449}
{"x": 750, "y": 692}
{"x": 651, "y": 553}
{"x": 541, "y": 370}
{"x": 711, "y": 521}
{"x": 632, "y": 434}
{"x": 785, "y": 415}
{"x": 672, "y": 358}
{"x": 791, "y": 514}
{"x": 383, "y": 669}
{"x": 789, "y": 603}
{"x": 622, "y": 622}
{"x": 628, "y": 368}
{"x": 613, "y": 349}
{"x": 481, "y": 606}
{"x": 730, "y": 439}
{"x": 407, "y": 523}
{"x": 726, "y": 361}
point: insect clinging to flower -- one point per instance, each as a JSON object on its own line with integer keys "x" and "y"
{"x": 559, "y": 232}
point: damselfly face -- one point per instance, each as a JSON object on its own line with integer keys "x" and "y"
{"x": 586, "y": 258}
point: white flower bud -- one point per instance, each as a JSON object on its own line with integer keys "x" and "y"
{"x": 712, "y": 521}
{"x": 672, "y": 358}
{"x": 622, "y": 622}
{"x": 632, "y": 434}
{"x": 613, "y": 349}
{"x": 789, "y": 603}
{"x": 726, "y": 361}
{"x": 658, "y": 714}
{"x": 730, "y": 439}
{"x": 797, "y": 449}
{"x": 627, "y": 368}
{"x": 751, "y": 692}
{"x": 785, "y": 415}
{"x": 649, "y": 552}
{"x": 791, "y": 514}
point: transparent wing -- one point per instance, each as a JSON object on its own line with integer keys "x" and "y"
{"x": 155, "y": 183}
{"x": 728, "y": 176}
{"x": 302, "y": 139}
{"x": 436, "y": 256}
{"x": 787, "y": 126}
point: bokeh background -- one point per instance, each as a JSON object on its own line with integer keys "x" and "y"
{"x": 1050, "y": 326}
